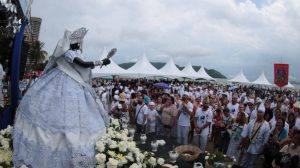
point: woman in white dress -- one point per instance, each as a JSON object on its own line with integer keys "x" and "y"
{"x": 235, "y": 135}
{"x": 59, "y": 119}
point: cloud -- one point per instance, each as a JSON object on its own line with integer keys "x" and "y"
{"x": 225, "y": 35}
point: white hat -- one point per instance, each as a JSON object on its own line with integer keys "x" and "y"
{"x": 261, "y": 107}
{"x": 116, "y": 97}
{"x": 151, "y": 104}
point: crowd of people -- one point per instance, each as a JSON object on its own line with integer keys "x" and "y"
{"x": 243, "y": 122}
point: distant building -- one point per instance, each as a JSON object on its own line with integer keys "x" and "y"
{"x": 32, "y": 31}
{"x": 31, "y": 35}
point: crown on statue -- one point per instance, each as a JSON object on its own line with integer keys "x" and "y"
{"x": 78, "y": 35}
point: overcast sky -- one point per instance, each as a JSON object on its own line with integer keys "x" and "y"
{"x": 225, "y": 35}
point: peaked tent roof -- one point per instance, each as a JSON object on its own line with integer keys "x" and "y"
{"x": 190, "y": 72}
{"x": 170, "y": 70}
{"x": 289, "y": 85}
{"x": 144, "y": 68}
{"x": 262, "y": 80}
{"x": 240, "y": 78}
{"x": 203, "y": 74}
{"x": 111, "y": 69}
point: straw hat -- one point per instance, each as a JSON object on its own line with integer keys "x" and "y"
{"x": 122, "y": 97}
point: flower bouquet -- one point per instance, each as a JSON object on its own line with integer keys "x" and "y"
{"x": 218, "y": 160}
{"x": 116, "y": 149}
{"x": 6, "y": 151}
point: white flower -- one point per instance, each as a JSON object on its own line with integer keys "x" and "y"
{"x": 112, "y": 163}
{"x": 118, "y": 135}
{"x": 152, "y": 161}
{"x": 125, "y": 131}
{"x": 122, "y": 146}
{"x": 130, "y": 158}
{"x": 113, "y": 145}
{"x": 101, "y": 158}
{"x": 9, "y": 129}
{"x": 161, "y": 142}
{"x": 123, "y": 161}
{"x": 5, "y": 143}
{"x": 101, "y": 165}
{"x": 160, "y": 161}
{"x": 100, "y": 146}
{"x": 2, "y": 132}
{"x": 206, "y": 157}
{"x": 134, "y": 165}
{"x": 23, "y": 166}
{"x": 234, "y": 160}
{"x": 111, "y": 153}
{"x": 124, "y": 137}
{"x": 130, "y": 138}
{"x": 131, "y": 146}
{"x": 115, "y": 122}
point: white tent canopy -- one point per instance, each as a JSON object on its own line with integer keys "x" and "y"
{"x": 262, "y": 80}
{"x": 202, "y": 74}
{"x": 111, "y": 69}
{"x": 143, "y": 68}
{"x": 190, "y": 72}
{"x": 240, "y": 78}
{"x": 289, "y": 85}
{"x": 170, "y": 70}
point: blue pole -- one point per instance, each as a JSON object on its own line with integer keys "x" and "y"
{"x": 8, "y": 114}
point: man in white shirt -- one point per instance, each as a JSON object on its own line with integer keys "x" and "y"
{"x": 203, "y": 119}
{"x": 257, "y": 132}
{"x": 141, "y": 115}
{"x": 233, "y": 106}
{"x": 185, "y": 111}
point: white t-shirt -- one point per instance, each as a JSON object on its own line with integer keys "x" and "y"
{"x": 140, "y": 115}
{"x": 233, "y": 109}
{"x": 203, "y": 117}
{"x": 184, "y": 117}
{"x": 152, "y": 114}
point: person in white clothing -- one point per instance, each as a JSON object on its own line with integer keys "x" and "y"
{"x": 203, "y": 119}
{"x": 233, "y": 106}
{"x": 255, "y": 134}
{"x": 185, "y": 111}
{"x": 141, "y": 115}
{"x": 152, "y": 118}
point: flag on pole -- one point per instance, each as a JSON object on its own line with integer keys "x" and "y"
{"x": 281, "y": 74}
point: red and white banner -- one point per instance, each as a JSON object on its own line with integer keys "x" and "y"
{"x": 281, "y": 74}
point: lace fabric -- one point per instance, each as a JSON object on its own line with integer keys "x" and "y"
{"x": 38, "y": 155}
{"x": 57, "y": 124}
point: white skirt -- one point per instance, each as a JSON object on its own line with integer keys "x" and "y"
{"x": 57, "y": 124}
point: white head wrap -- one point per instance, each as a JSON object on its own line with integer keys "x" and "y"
{"x": 261, "y": 107}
